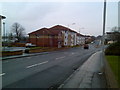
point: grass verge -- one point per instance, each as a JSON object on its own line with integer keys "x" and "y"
{"x": 114, "y": 62}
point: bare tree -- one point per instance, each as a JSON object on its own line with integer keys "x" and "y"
{"x": 116, "y": 33}
{"x": 18, "y": 31}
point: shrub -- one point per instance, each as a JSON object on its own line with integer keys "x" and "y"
{"x": 36, "y": 47}
{"x": 11, "y": 53}
{"x": 113, "y": 49}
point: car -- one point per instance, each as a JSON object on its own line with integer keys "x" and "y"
{"x": 28, "y": 45}
{"x": 92, "y": 42}
{"x": 86, "y": 46}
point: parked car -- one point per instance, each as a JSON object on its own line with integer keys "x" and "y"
{"x": 29, "y": 45}
{"x": 86, "y": 46}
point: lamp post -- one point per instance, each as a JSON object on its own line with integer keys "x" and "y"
{"x": 81, "y": 29}
{"x": 103, "y": 37}
{"x": 104, "y": 20}
{"x": 1, "y": 17}
{"x": 4, "y": 36}
{"x": 71, "y": 24}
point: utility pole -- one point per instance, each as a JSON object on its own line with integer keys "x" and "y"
{"x": 1, "y": 17}
{"x": 4, "y": 36}
{"x": 104, "y": 21}
{"x": 103, "y": 37}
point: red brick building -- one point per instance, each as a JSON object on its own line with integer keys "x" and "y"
{"x": 45, "y": 37}
{"x": 56, "y": 36}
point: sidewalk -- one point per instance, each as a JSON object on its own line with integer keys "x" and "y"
{"x": 87, "y": 75}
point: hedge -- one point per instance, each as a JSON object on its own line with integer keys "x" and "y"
{"x": 113, "y": 49}
{"x": 11, "y": 53}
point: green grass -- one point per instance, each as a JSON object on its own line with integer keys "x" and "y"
{"x": 114, "y": 62}
{"x": 36, "y": 47}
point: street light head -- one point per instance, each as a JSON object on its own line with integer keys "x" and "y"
{"x": 2, "y": 17}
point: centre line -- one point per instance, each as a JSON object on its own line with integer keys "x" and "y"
{"x": 36, "y": 64}
{"x": 2, "y": 74}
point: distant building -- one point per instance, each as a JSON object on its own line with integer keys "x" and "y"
{"x": 108, "y": 36}
{"x": 88, "y": 39}
{"x": 80, "y": 39}
{"x": 57, "y": 36}
{"x": 111, "y": 36}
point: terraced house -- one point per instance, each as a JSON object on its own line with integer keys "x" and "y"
{"x": 56, "y": 36}
{"x": 80, "y": 39}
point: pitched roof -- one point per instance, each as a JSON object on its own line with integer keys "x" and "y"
{"x": 55, "y": 30}
{"x": 44, "y": 31}
{"x": 60, "y": 27}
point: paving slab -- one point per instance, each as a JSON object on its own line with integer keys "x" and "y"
{"x": 87, "y": 76}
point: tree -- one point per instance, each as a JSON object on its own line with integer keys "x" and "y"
{"x": 10, "y": 36}
{"x": 116, "y": 33}
{"x": 18, "y": 31}
{"x": 116, "y": 29}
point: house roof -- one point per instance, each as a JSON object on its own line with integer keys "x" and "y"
{"x": 55, "y": 30}
{"x": 44, "y": 31}
{"x": 60, "y": 27}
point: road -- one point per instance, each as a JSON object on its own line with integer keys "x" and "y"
{"x": 44, "y": 71}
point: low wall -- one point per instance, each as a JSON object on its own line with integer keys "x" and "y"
{"x": 12, "y": 53}
{"x": 33, "y": 50}
{"x": 44, "y": 50}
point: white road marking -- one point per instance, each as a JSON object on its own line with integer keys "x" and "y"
{"x": 28, "y": 57}
{"x": 36, "y": 64}
{"x": 60, "y": 58}
{"x": 72, "y": 53}
{"x": 2, "y": 74}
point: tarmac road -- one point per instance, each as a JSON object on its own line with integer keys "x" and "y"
{"x": 44, "y": 71}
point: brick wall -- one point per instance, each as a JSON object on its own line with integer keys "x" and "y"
{"x": 45, "y": 41}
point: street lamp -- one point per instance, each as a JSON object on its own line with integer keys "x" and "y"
{"x": 103, "y": 37}
{"x": 71, "y": 24}
{"x": 80, "y": 29}
{"x": 104, "y": 20}
{"x": 4, "y": 36}
{"x": 1, "y": 17}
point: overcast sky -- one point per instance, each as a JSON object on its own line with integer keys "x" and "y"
{"x": 87, "y": 16}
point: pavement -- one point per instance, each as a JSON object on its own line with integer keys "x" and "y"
{"x": 88, "y": 75}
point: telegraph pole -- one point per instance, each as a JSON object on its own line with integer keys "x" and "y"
{"x": 103, "y": 37}
{"x": 1, "y": 18}
{"x": 104, "y": 21}
{"x": 4, "y": 36}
